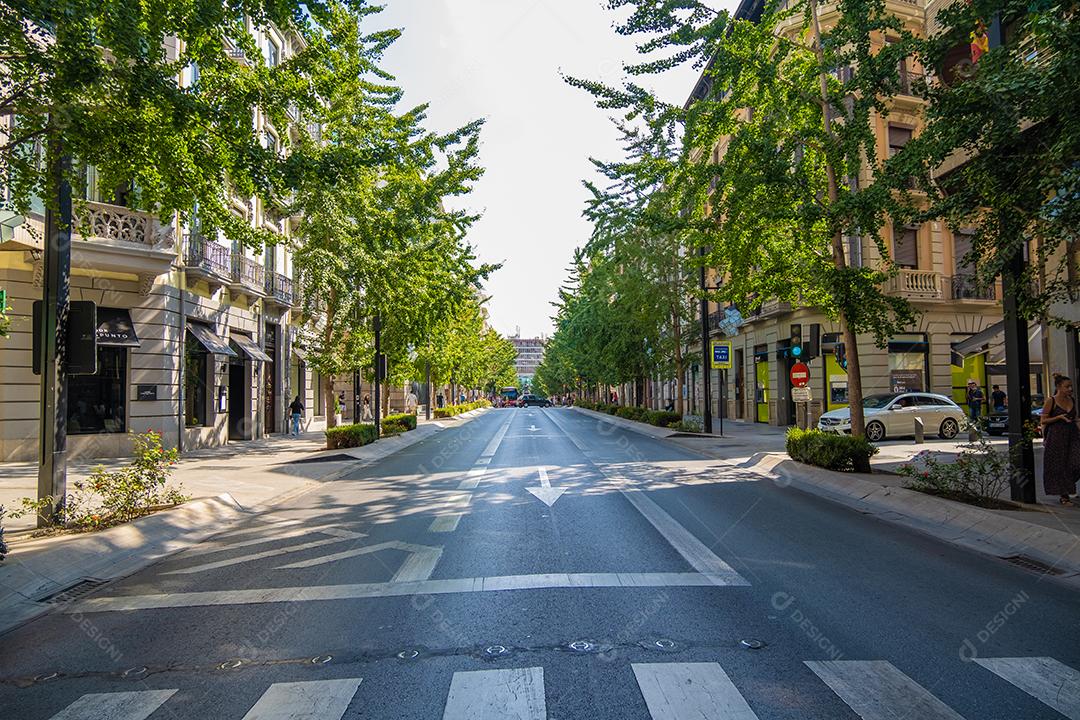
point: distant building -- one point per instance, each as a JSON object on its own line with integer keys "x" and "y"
{"x": 530, "y": 353}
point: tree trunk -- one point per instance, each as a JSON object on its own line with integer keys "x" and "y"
{"x": 329, "y": 401}
{"x": 851, "y": 347}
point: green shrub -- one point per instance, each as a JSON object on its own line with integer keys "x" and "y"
{"x": 663, "y": 418}
{"x": 829, "y": 450}
{"x": 349, "y": 436}
{"x": 3, "y": 545}
{"x": 397, "y": 424}
{"x": 452, "y": 410}
{"x": 978, "y": 474}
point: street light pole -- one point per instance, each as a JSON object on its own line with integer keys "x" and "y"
{"x": 378, "y": 371}
{"x": 427, "y": 401}
{"x": 706, "y": 364}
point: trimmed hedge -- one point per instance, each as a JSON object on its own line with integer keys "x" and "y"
{"x": 829, "y": 450}
{"x": 397, "y": 424}
{"x": 659, "y": 418}
{"x": 348, "y": 436}
{"x": 452, "y": 410}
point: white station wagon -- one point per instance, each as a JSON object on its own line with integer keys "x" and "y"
{"x": 893, "y": 415}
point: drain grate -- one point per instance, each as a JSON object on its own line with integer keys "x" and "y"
{"x": 1032, "y": 565}
{"x": 74, "y": 592}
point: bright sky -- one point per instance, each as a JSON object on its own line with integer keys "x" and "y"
{"x": 501, "y": 60}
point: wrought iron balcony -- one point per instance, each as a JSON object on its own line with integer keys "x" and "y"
{"x": 207, "y": 258}
{"x": 279, "y": 289}
{"x": 248, "y": 275}
{"x": 966, "y": 287}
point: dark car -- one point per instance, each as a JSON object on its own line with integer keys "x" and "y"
{"x": 534, "y": 401}
{"x": 997, "y": 423}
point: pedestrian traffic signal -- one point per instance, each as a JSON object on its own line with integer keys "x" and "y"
{"x": 795, "y": 348}
{"x": 840, "y": 353}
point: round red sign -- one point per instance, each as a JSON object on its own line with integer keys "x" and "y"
{"x": 800, "y": 375}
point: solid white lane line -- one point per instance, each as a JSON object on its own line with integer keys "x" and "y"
{"x": 1047, "y": 680}
{"x": 513, "y": 694}
{"x": 392, "y": 589}
{"x": 312, "y": 700}
{"x": 676, "y": 691}
{"x": 135, "y": 705}
{"x": 695, "y": 552}
{"x": 877, "y": 690}
{"x": 341, "y": 536}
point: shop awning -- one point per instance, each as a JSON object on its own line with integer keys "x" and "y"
{"x": 114, "y": 327}
{"x": 209, "y": 339}
{"x": 249, "y": 348}
{"x": 977, "y": 343}
{"x": 991, "y": 341}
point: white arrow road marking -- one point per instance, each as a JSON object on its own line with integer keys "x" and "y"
{"x": 516, "y": 693}
{"x": 311, "y": 700}
{"x": 419, "y": 565}
{"x": 545, "y": 493}
{"x": 339, "y": 536}
{"x": 533, "y": 428}
{"x": 136, "y": 705}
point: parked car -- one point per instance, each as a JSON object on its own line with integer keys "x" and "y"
{"x": 893, "y": 415}
{"x": 997, "y": 423}
{"x": 534, "y": 401}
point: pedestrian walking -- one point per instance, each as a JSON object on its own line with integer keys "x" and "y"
{"x": 974, "y": 400}
{"x": 367, "y": 408}
{"x": 998, "y": 399}
{"x": 411, "y": 403}
{"x": 296, "y": 411}
{"x": 1061, "y": 441}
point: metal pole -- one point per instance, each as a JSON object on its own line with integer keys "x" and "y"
{"x": 723, "y": 399}
{"x": 1017, "y": 374}
{"x": 378, "y": 368}
{"x": 427, "y": 401}
{"x": 358, "y": 390}
{"x": 705, "y": 355}
{"x": 52, "y": 467}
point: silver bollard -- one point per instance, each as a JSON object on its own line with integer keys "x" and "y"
{"x": 920, "y": 437}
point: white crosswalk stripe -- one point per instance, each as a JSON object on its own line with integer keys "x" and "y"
{"x": 515, "y": 694}
{"x": 877, "y": 690}
{"x": 703, "y": 691}
{"x": 312, "y": 700}
{"x": 1051, "y": 682}
{"x": 136, "y": 705}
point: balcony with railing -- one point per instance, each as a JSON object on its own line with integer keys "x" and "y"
{"x": 207, "y": 260}
{"x": 248, "y": 276}
{"x": 279, "y": 289}
{"x": 967, "y": 287}
{"x": 916, "y": 284}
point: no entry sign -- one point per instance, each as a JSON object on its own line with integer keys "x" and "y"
{"x": 800, "y": 375}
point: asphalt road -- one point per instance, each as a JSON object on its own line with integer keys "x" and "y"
{"x": 657, "y": 584}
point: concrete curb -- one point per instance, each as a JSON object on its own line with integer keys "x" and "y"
{"x": 974, "y": 528}
{"x": 44, "y": 566}
{"x": 652, "y": 431}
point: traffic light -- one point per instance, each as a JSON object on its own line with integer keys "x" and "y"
{"x": 840, "y": 353}
{"x": 813, "y": 342}
{"x": 795, "y": 348}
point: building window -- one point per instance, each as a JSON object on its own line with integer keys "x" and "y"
{"x": 909, "y": 363}
{"x": 273, "y": 53}
{"x": 196, "y": 368}
{"x": 906, "y": 247}
{"x": 97, "y": 403}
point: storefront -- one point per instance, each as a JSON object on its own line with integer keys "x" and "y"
{"x": 909, "y": 363}
{"x": 97, "y": 404}
{"x": 761, "y": 383}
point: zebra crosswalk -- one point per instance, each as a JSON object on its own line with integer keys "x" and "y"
{"x": 872, "y": 689}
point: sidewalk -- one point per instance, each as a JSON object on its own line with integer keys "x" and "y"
{"x": 226, "y": 485}
{"x": 1045, "y": 532}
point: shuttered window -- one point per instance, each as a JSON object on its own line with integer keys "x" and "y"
{"x": 906, "y": 247}
{"x": 962, "y": 242}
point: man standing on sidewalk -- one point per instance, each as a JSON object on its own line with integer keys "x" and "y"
{"x": 296, "y": 411}
{"x": 974, "y": 400}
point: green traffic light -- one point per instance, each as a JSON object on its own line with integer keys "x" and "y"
{"x": 796, "y": 351}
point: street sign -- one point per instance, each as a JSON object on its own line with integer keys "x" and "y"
{"x": 721, "y": 355}
{"x": 801, "y": 394}
{"x": 800, "y": 375}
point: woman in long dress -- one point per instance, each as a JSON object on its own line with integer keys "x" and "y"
{"x": 1061, "y": 441}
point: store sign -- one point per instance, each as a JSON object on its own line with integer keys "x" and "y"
{"x": 801, "y": 394}
{"x": 146, "y": 393}
{"x": 906, "y": 380}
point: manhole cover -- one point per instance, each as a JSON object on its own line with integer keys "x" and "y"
{"x": 495, "y": 650}
{"x": 665, "y": 644}
{"x": 753, "y": 644}
{"x": 230, "y": 664}
{"x": 582, "y": 646}
{"x": 409, "y": 654}
{"x": 134, "y": 672}
{"x": 321, "y": 659}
